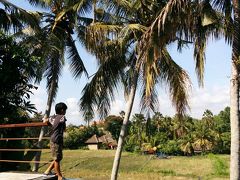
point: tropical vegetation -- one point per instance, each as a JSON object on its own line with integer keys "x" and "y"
{"x": 130, "y": 40}
{"x": 18, "y": 72}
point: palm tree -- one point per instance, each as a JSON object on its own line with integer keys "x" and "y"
{"x": 157, "y": 119}
{"x": 55, "y": 40}
{"x": 187, "y": 144}
{"x": 88, "y": 117}
{"x": 129, "y": 22}
{"x": 208, "y": 118}
{"x": 203, "y": 136}
{"x": 138, "y": 121}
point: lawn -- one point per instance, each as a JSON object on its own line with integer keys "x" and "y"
{"x": 96, "y": 165}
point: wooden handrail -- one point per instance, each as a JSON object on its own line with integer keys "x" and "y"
{"x": 23, "y": 149}
{"x": 36, "y": 124}
{"x": 25, "y": 161}
{"x": 13, "y": 139}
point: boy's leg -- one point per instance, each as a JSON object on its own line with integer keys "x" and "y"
{"x": 59, "y": 155}
{"x": 57, "y": 169}
{"x": 50, "y": 167}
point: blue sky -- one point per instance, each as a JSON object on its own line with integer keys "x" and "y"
{"x": 214, "y": 96}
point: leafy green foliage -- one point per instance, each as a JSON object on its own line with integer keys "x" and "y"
{"x": 17, "y": 69}
{"x": 180, "y": 136}
{"x": 75, "y": 136}
{"x": 113, "y": 124}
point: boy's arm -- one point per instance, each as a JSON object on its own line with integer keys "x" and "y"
{"x": 46, "y": 120}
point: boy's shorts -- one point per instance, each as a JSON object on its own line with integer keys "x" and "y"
{"x": 56, "y": 150}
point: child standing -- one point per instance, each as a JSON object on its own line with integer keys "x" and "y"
{"x": 58, "y": 126}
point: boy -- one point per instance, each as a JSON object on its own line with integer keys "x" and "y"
{"x": 58, "y": 126}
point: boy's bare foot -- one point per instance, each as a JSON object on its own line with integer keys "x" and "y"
{"x": 49, "y": 173}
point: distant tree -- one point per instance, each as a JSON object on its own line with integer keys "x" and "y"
{"x": 157, "y": 120}
{"x": 203, "y": 136}
{"x": 223, "y": 120}
{"x": 139, "y": 124}
{"x": 186, "y": 144}
{"x": 180, "y": 126}
{"x": 75, "y": 137}
{"x": 88, "y": 117}
{"x": 208, "y": 118}
{"x": 113, "y": 125}
{"x": 222, "y": 131}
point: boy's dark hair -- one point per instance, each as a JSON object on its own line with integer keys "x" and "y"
{"x": 59, "y": 107}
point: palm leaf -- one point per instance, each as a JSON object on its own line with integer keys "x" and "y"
{"x": 16, "y": 17}
{"x": 177, "y": 80}
{"x": 98, "y": 93}
{"x": 76, "y": 64}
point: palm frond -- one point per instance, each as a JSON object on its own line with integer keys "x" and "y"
{"x": 130, "y": 32}
{"x": 102, "y": 40}
{"x": 53, "y": 72}
{"x": 225, "y": 6}
{"x": 80, "y": 29}
{"x": 16, "y": 17}
{"x": 149, "y": 102}
{"x": 41, "y": 3}
{"x": 177, "y": 80}
{"x": 199, "y": 55}
{"x": 76, "y": 64}
{"x": 100, "y": 91}
{"x": 119, "y": 8}
{"x": 81, "y": 6}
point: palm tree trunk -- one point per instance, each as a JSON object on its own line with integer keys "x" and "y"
{"x": 124, "y": 127}
{"x": 43, "y": 129}
{"x": 94, "y": 10}
{"x": 234, "y": 96}
{"x": 235, "y": 129}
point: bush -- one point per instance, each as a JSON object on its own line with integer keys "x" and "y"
{"x": 171, "y": 147}
{"x": 75, "y": 137}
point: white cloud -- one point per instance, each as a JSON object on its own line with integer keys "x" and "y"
{"x": 117, "y": 106}
{"x": 73, "y": 115}
{"x": 214, "y": 98}
{"x": 39, "y": 98}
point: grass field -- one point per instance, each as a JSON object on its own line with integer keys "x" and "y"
{"x": 96, "y": 165}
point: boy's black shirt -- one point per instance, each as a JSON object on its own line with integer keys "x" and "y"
{"x": 58, "y": 123}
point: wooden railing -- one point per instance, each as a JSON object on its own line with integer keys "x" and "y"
{"x": 23, "y": 125}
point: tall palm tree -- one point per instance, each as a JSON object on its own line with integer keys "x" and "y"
{"x": 120, "y": 30}
{"x": 63, "y": 20}
{"x": 221, "y": 18}
{"x": 203, "y": 136}
{"x": 138, "y": 121}
{"x": 157, "y": 119}
{"x": 234, "y": 94}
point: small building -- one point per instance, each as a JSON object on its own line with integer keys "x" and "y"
{"x": 95, "y": 142}
{"x": 108, "y": 141}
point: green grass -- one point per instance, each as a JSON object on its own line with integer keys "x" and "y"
{"x": 96, "y": 165}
